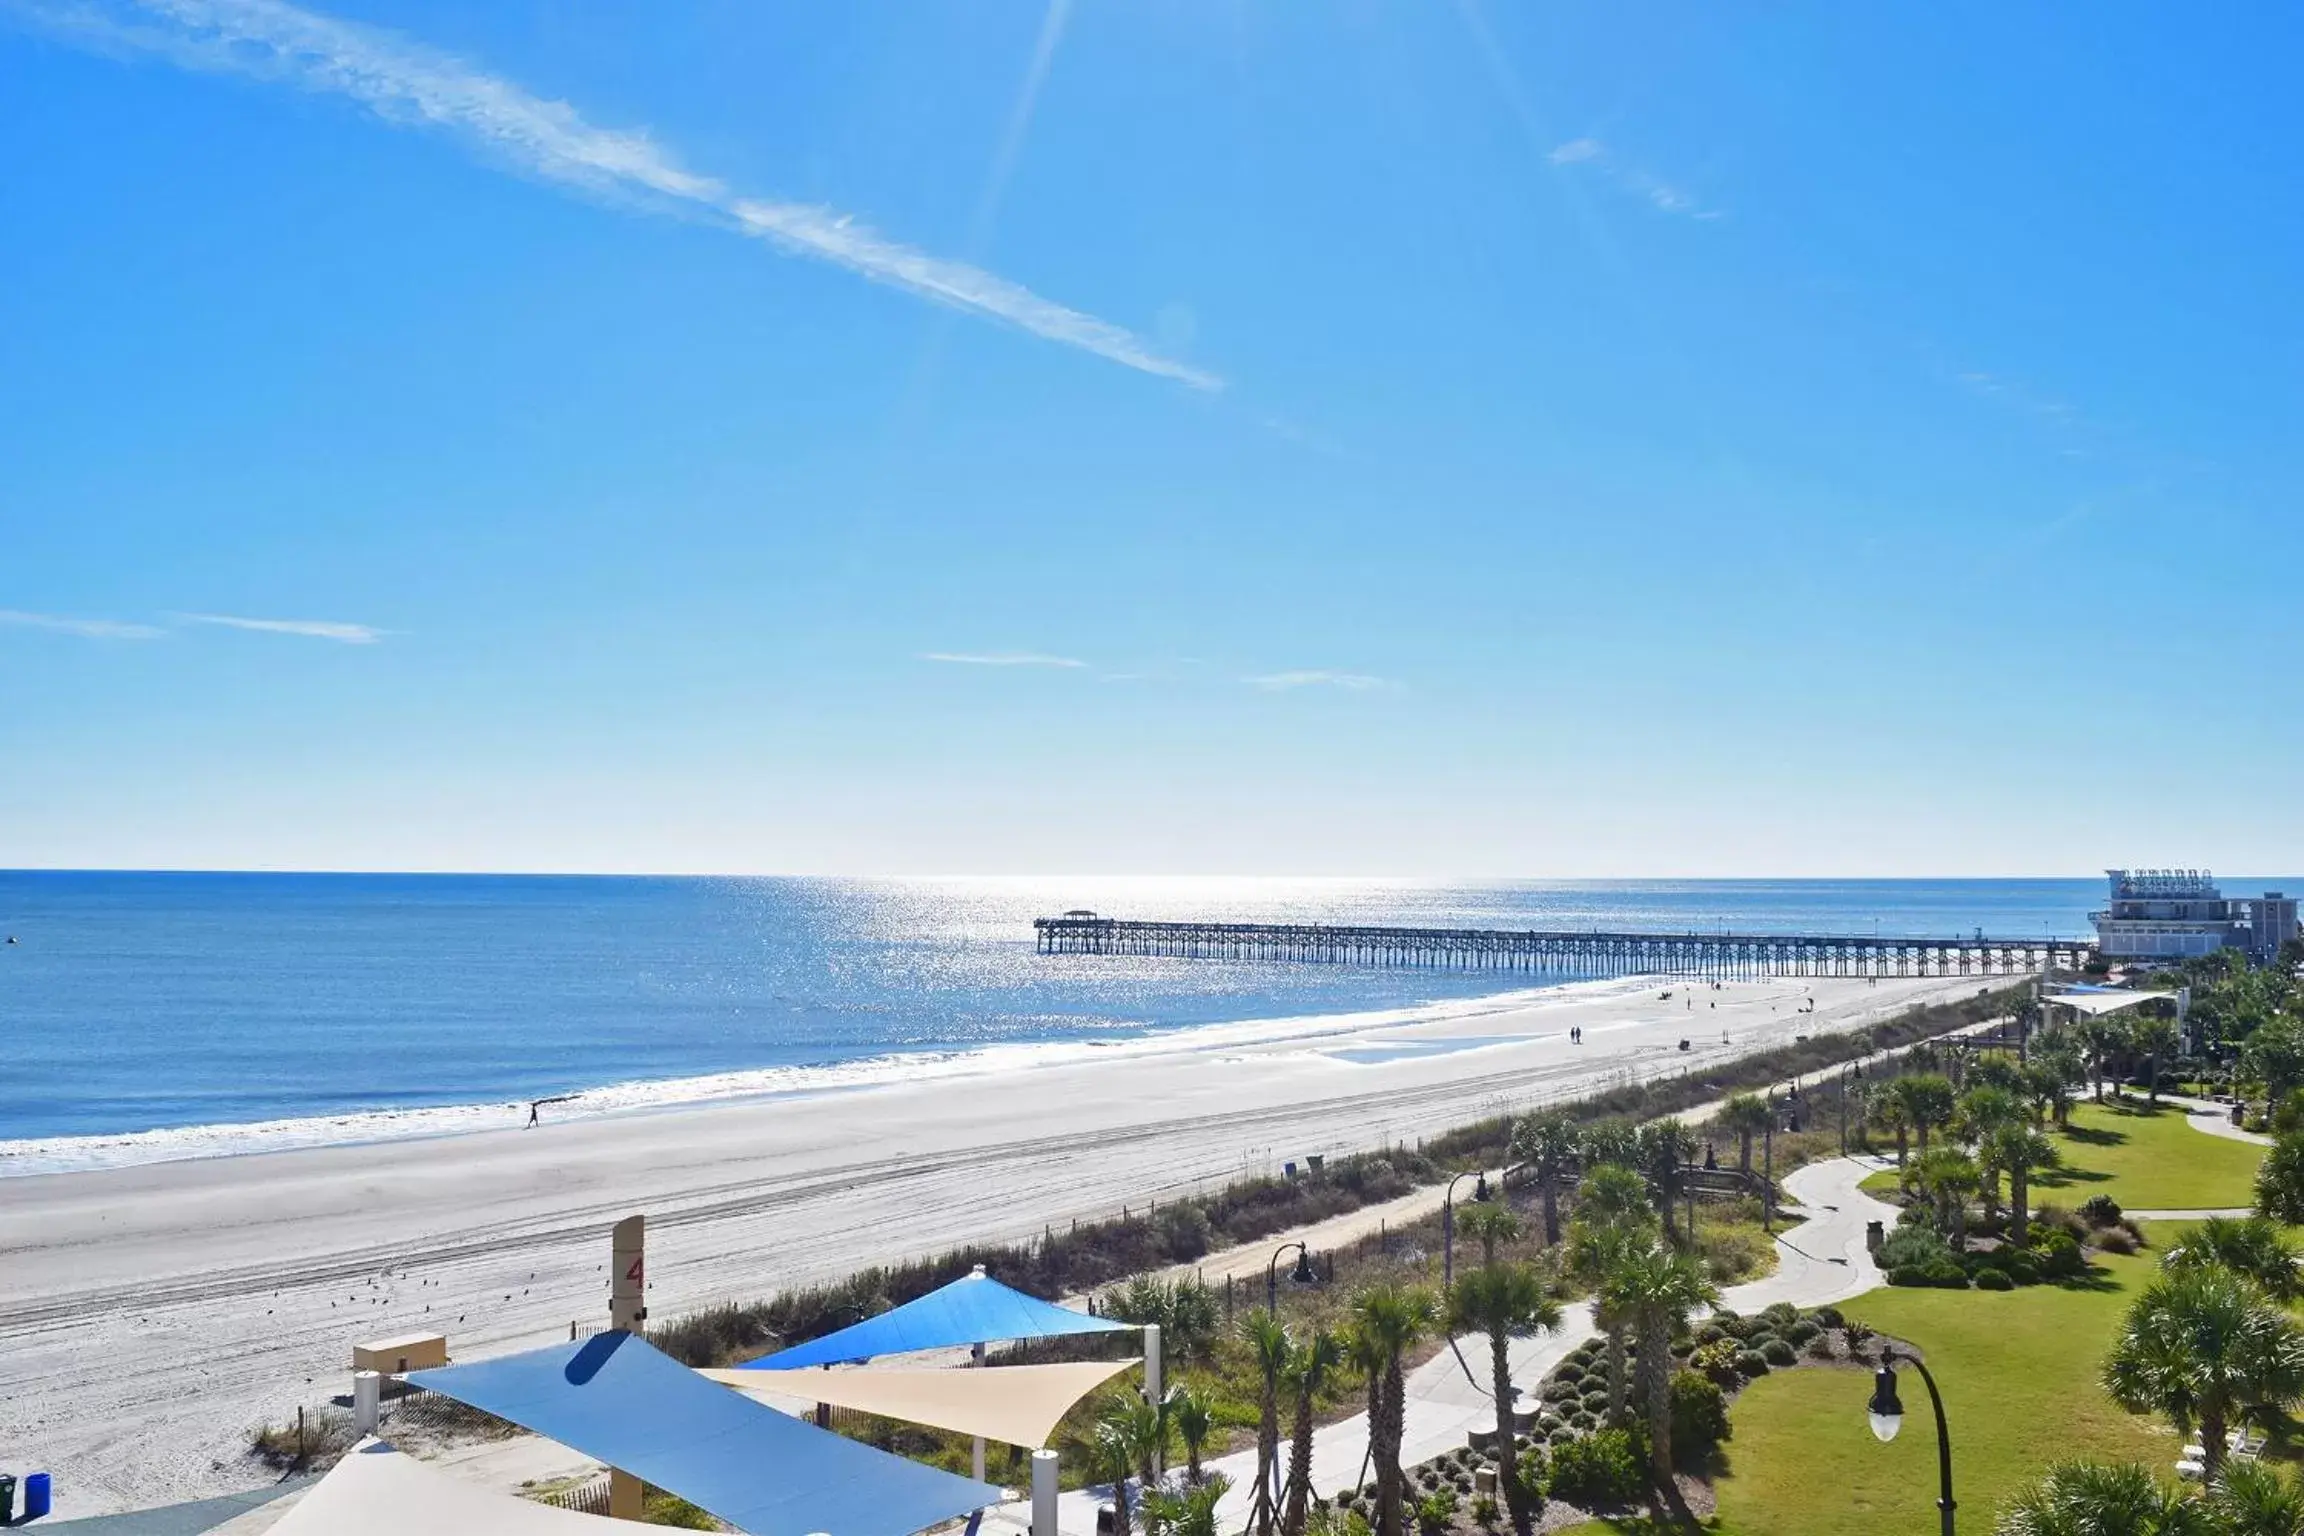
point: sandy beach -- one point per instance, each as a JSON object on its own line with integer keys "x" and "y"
{"x": 149, "y": 1315}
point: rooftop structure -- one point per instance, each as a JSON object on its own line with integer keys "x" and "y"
{"x": 2178, "y": 914}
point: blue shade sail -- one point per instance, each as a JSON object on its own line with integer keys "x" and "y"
{"x": 976, "y": 1309}
{"x": 618, "y": 1400}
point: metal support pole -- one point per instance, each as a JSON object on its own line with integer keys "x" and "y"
{"x": 976, "y": 1448}
{"x": 1043, "y": 1493}
{"x": 1155, "y": 1386}
{"x": 627, "y": 1311}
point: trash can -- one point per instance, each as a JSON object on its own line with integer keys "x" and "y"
{"x": 7, "y": 1499}
{"x": 2239, "y": 1114}
{"x": 35, "y": 1495}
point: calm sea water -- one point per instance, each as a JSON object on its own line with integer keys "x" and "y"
{"x": 163, "y": 1015}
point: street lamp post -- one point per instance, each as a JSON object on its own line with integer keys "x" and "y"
{"x": 1887, "y": 1415}
{"x": 1302, "y": 1274}
{"x": 1480, "y": 1196}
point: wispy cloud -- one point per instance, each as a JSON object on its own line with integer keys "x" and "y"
{"x": 1661, "y": 195}
{"x": 88, "y": 629}
{"x": 406, "y": 83}
{"x": 1000, "y": 659}
{"x": 316, "y": 629}
{"x": 1351, "y": 682}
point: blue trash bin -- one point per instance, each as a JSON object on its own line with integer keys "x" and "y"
{"x": 35, "y": 1495}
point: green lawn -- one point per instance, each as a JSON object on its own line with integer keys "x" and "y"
{"x": 2018, "y": 1371}
{"x": 2148, "y": 1160}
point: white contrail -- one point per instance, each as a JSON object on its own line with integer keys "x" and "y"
{"x": 405, "y": 82}
{"x": 316, "y": 629}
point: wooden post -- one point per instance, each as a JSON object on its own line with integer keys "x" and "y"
{"x": 627, "y": 1311}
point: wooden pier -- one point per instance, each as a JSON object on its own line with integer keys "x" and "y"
{"x": 1715, "y": 956}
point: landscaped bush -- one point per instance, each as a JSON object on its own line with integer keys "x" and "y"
{"x": 1583, "y": 1418}
{"x": 2100, "y": 1210}
{"x": 1596, "y": 1399}
{"x": 1436, "y": 1512}
{"x": 1994, "y": 1280}
{"x": 1751, "y": 1362}
{"x": 1761, "y": 1340}
{"x": 1801, "y": 1332}
{"x": 1828, "y": 1317}
{"x": 1912, "y": 1247}
{"x": 1699, "y": 1414}
{"x": 1820, "y": 1347}
{"x": 1717, "y": 1361}
{"x": 1780, "y": 1316}
{"x": 2055, "y": 1217}
{"x": 2060, "y": 1257}
{"x": 1563, "y": 1434}
{"x": 2022, "y": 1267}
{"x": 1483, "y": 1509}
{"x": 1777, "y": 1352}
{"x": 1710, "y": 1333}
{"x": 1599, "y": 1471}
{"x": 2117, "y": 1240}
{"x": 1944, "y": 1274}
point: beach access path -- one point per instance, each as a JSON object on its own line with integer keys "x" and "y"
{"x": 150, "y": 1315}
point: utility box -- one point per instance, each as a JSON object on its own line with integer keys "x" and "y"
{"x": 399, "y": 1356}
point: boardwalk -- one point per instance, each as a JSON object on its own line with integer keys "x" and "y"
{"x": 1721, "y": 956}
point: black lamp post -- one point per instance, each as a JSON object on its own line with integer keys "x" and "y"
{"x": 1480, "y": 1196}
{"x": 1302, "y": 1274}
{"x": 1887, "y": 1414}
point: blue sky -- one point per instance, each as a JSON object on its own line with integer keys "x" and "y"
{"x": 1168, "y": 437}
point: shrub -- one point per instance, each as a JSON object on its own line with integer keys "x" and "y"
{"x": 2060, "y": 1257}
{"x": 2100, "y": 1210}
{"x": 1699, "y": 1414}
{"x": 1583, "y": 1418}
{"x": 1599, "y": 1471}
{"x": 2055, "y": 1217}
{"x": 1751, "y": 1362}
{"x": 1596, "y": 1399}
{"x": 1436, "y": 1511}
{"x": 1994, "y": 1280}
{"x": 1828, "y": 1317}
{"x": 1777, "y": 1352}
{"x": 1801, "y": 1332}
{"x": 1717, "y": 1361}
{"x": 1820, "y": 1347}
{"x": 1912, "y": 1248}
{"x": 1483, "y": 1509}
{"x": 1562, "y": 1435}
{"x": 1532, "y": 1477}
{"x": 2022, "y": 1267}
{"x": 2117, "y": 1240}
{"x": 1710, "y": 1333}
{"x": 1780, "y": 1316}
{"x": 1945, "y": 1274}
{"x": 1761, "y": 1340}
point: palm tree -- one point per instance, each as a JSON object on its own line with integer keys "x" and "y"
{"x": 2203, "y": 1346}
{"x": 2280, "y": 1180}
{"x": 2079, "y": 1498}
{"x": 2055, "y": 1067}
{"x": 2017, "y": 1149}
{"x": 1505, "y": 1302}
{"x": 2100, "y": 1041}
{"x": 1186, "y": 1511}
{"x": 1983, "y": 1111}
{"x": 1888, "y": 1108}
{"x": 1928, "y": 1100}
{"x": 1390, "y": 1320}
{"x": 1657, "y": 1290}
{"x": 1612, "y": 1195}
{"x": 1745, "y": 1115}
{"x": 1596, "y": 1248}
{"x": 1549, "y": 1145}
{"x": 2253, "y": 1499}
{"x": 1946, "y": 1177}
{"x": 1490, "y": 1224}
{"x": 1128, "y": 1435}
{"x": 1195, "y": 1420}
{"x": 2155, "y": 1039}
{"x": 1609, "y": 1141}
{"x": 2250, "y": 1246}
{"x": 1310, "y": 1365}
{"x": 1269, "y": 1345}
{"x": 1666, "y": 1147}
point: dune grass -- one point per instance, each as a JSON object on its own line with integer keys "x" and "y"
{"x": 2018, "y": 1372}
{"x": 2147, "y": 1159}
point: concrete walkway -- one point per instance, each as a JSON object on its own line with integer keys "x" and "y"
{"x": 2214, "y": 1119}
{"x": 1821, "y": 1260}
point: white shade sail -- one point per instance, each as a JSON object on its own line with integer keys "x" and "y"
{"x": 377, "y": 1491}
{"x": 1014, "y": 1404}
{"x": 2094, "y": 1003}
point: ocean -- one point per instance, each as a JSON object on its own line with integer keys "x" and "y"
{"x": 150, "y": 1016}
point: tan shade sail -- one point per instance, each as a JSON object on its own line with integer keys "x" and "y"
{"x": 377, "y": 1491}
{"x": 1014, "y": 1404}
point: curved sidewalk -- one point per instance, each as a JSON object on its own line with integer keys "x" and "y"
{"x": 1821, "y": 1260}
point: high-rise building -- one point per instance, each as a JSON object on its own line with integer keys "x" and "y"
{"x": 2176, "y": 914}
